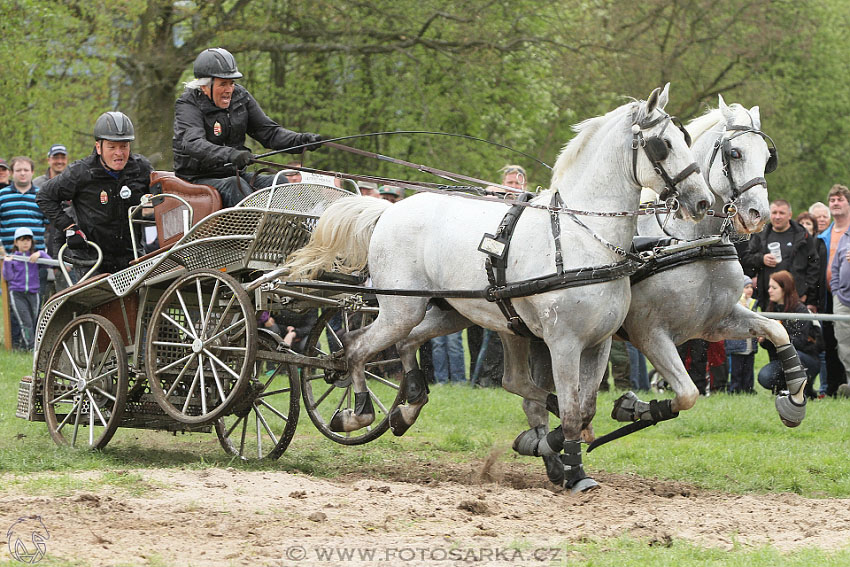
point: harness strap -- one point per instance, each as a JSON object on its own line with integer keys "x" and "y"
{"x": 556, "y": 230}
{"x": 497, "y": 263}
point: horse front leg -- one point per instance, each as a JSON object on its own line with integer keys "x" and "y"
{"x": 745, "y": 324}
{"x": 566, "y": 367}
{"x": 661, "y": 351}
{"x": 395, "y": 320}
{"x": 437, "y": 322}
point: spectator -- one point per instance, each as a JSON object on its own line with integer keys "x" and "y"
{"x": 101, "y": 187}
{"x": 797, "y": 251}
{"x": 820, "y": 213}
{"x": 18, "y": 207}
{"x": 694, "y": 354}
{"x": 783, "y": 298}
{"x": 514, "y": 176}
{"x": 57, "y": 161}
{"x": 391, "y": 194}
{"x": 368, "y": 189}
{"x": 5, "y": 173}
{"x": 839, "y": 207}
{"x": 448, "y": 358}
{"x": 211, "y": 119}
{"x": 742, "y": 352}
{"x": 22, "y": 277}
{"x": 808, "y": 222}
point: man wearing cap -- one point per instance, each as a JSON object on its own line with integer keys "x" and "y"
{"x": 101, "y": 187}
{"x": 390, "y": 193}
{"x": 5, "y": 173}
{"x": 212, "y": 118}
{"x": 57, "y": 160}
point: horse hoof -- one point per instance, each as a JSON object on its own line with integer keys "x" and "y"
{"x": 397, "y": 424}
{"x": 554, "y": 469}
{"x": 790, "y": 413}
{"x": 584, "y": 485}
{"x": 337, "y": 424}
{"x": 346, "y": 421}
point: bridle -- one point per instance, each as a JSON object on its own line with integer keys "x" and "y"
{"x": 656, "y": 151}
{"x": 723, "y": 146}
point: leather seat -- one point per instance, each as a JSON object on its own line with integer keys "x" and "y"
{"x": 168, "y": 214}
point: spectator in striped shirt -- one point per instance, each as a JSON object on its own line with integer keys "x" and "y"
{"x": 18, "y": 207}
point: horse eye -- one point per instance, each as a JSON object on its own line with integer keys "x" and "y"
{"x": 669, "y": 145}
{"x": 735, "y": 154}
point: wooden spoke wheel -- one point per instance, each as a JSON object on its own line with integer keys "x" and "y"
{"x": 264, "y": 420}
{"x": 325, "y": 392}
{"x": 200, "y": 346}
{"x": 85, "y": 385}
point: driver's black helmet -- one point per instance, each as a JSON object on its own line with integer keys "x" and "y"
{"x": 216, "y": 62}
{"x": 114, "y": 126}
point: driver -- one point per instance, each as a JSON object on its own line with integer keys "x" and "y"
{"x": 211, "y": 119}
{"x": 101, "y": 188}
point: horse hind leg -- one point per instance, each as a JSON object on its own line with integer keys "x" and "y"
{"x": 745, "y": 324}
{"x": 439, "y": 320}
{"x": 398, "y": 315}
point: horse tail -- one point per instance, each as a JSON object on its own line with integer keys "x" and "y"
{"x": 340, "y": 241}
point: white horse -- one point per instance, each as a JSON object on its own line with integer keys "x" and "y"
{"x": 699, "y": 298}
{"x": 431, "y": 242}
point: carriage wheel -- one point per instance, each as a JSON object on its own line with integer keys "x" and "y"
{"x": 200, "y": 346}
{"x": 326, "y": 392}
{"x": 85, "y": 383}
{"x": 264, "y": 421}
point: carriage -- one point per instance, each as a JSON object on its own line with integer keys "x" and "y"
{"x": 172, "y": 342}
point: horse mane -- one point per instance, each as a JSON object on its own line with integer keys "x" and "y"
{"x": 712, "y": 117}
{"x": 586, "y": 129}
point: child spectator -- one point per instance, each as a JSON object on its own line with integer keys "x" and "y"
{"x": 24, "y": 285}
{"x": 743, "y": 351}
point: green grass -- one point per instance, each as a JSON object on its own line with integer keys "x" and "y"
{"x": 727, "y": 443}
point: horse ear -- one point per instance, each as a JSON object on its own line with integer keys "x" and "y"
{"x": 652, "y": 101}
{"x": 728, "y": 115}
{"x": 664, "y": 97}
{"x": 755, "y": 113}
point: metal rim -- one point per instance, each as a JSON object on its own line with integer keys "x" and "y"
{"x": 200, "y": 346}
{"x": 325, "y": 392}
{"x": 87, "y": 370}
{"x": 274, "y": 394}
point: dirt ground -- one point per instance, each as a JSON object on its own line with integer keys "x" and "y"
{"x": 499, "y": 514}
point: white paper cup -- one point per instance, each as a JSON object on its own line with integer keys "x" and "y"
{"x": 775, "y": 248}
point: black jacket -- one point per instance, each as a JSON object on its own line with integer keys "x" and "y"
{"x": 804, "y": 335}
{"x": 201, "y": 148}
{"x": 101, "y": 212}
{"x": 802, "y": 263}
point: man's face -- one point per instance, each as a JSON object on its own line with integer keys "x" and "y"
{"x": 57, "y": 163}
{"x": 294, "y": 177}
{"x": 514, "y": 179}
{"x": 113, "y": 154}
{"x": 22, "y": 173}
{"x": 4, "y": 175}
{"x": 822, "y": 217}
{"x": 222, "y": 91}
{"x": 838, "y": 206}
{"x": 780, "y": 217}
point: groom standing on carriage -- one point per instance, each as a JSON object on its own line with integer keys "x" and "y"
{"x": 211, "y": 119}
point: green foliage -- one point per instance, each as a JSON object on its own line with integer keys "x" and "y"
{"x": 519, "y": 73}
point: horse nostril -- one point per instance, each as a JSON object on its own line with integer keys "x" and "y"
{"x": 702, "y": 206}
{"x": 755, "y": 215}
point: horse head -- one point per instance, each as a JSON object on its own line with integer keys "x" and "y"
{"x": 742, "y": 156}
{"x": 662, "y": 159}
